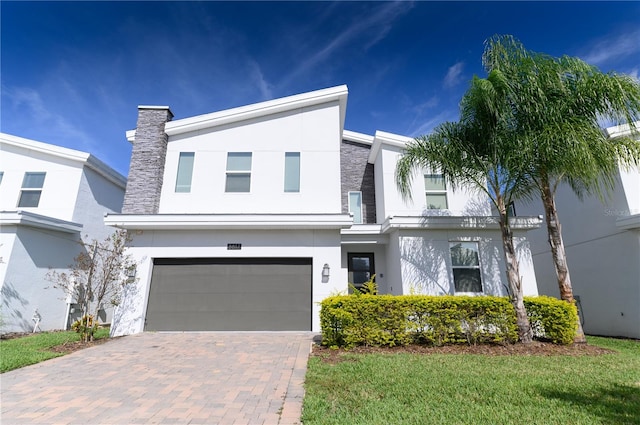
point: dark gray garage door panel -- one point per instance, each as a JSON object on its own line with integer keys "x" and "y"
{"x": 230, "y": 294}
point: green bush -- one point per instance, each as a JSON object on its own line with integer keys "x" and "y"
{"x": 552, "y": 319}
{"x": 389, "y": 320}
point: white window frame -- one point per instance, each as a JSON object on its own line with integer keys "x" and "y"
{"x": 184, "y": 185}
{"x": 443, "y": 191}
{"x": 246, "y": 172}
{"x": 31, "y": 189}
{"x": 477, "y": 267}
{"x": 292, "y": 173}
{"x": 357, "y": 215}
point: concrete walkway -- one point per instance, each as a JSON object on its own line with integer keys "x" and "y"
{"x": 165, "y": 378}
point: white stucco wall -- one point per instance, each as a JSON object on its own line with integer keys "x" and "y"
{"x": 603, "y": 259}
{"x": 390, "y": 202}
{"x": 25, "y": 288}
{"x": 96, "y": 197}
{"x": 59, "y": 191}
{"x": 323, "y": 246}
{"x": 421, "y": 261}
{"x": 312, "y": 131}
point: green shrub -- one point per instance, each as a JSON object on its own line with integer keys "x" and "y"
{"x": 552, "y": 319}
{"x": 389, "y": 320}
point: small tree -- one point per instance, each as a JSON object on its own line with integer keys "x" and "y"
{"x": 98, "y": 275}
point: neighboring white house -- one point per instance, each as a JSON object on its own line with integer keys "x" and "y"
{"x": 602, "y": 242}
{"x": 50, "y": 198}
{"x": 245, "y": 219}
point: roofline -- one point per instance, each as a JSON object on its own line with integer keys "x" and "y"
{"x": 214, "y": 119}
{"x": 227, "y": 221}
{"x": 456, "y": 222}
{"x": 68, "y": 154}
{"x": 353, "y": 136}
{"x": 26, "y": 218}
{"x": 384, "y": 138}
{"x": 622, "y": 130}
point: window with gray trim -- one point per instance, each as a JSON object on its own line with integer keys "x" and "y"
{"x": 292, "y": 172}
{"x": 465, "y": 262}
{"x": 238, "y": 172}
{"x": 32, "y": 184}
{"x": 355, "y": 206}
{"x": 185, "y": 172}
{"x": 436, "y": 192}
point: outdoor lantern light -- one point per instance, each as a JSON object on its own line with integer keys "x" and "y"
{"x": 131, "y": 274}
{"x": 325, "y": 270}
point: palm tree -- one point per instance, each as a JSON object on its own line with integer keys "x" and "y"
{"x": 477, "y": 152}
{"x": 557, "y": 106}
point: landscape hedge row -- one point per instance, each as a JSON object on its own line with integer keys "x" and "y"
{"x": 390, "y": 320}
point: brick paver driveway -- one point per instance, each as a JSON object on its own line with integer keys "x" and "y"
{"x": 167, "y": 378}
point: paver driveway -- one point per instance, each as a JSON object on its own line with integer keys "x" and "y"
{"x": 167, "y": 378}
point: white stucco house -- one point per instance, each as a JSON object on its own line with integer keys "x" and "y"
{"x": 245, "y": 219}
{"x": 602, "y": 242}
{"x": 50, "y": 198}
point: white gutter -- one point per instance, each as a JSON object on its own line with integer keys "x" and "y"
{"x": 228, "y": 221}
{"x": 25, "y": 218}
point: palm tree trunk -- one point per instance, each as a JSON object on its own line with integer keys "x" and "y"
{"x": 513, "y": 278}
{"x": 554, "y": 230}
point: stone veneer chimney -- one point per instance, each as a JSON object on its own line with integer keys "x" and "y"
{"x": 146, "y": 170}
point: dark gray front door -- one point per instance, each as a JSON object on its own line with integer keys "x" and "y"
{"x": 361, "y": 268}
{"x": 230, "y": 294}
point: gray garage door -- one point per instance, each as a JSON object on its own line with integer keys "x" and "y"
{"x": 257, "y": 294}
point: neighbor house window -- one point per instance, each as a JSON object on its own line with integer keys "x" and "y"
{"x": 185, "y": 172}
{"x": 465, "y": 263}
{"x": 436, "y": 191}
{"x": 31, "y": 190}
{"x": 292, "y": 172}
{"x": 355, "y": 206}
{"x": 238, "y": 172}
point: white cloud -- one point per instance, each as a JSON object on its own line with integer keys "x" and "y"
{"x": 613, "y": 48}
{"x": 427, "y": 126}
{"x": 381, "y": 21}
{"x": 454, "y": 75}
{"x": 258, "y": 79}
{"x": 35, "y": 114}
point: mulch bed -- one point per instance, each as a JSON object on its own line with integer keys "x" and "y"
{"x": 536, "y": 348}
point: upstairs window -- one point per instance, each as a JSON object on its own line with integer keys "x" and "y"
{"x": 465, "y": 263}
{"x": 355, "y": 206}
{"x": 185, "y": 172}
{"x": 31, "y": 190}
{"x": 436, "y": 192}
{"x": 238, "y": 172}
{"x": 292, "y": 172}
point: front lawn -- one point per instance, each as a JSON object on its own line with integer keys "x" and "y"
{"x": 19, "y": 352}
{"x": 476, "y": 389}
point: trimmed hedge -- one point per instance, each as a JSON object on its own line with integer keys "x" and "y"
{"x": 552, "y": 319}
{"x": 390, "y": 320}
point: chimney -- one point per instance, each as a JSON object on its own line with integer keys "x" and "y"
{"x": 146, "y": 170}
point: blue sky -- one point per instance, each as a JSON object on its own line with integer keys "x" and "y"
{"x": 73, "y": 73}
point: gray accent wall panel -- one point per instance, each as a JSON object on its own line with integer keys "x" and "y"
{"x": 146, "y": 170}
{"x": 357, "y": 175}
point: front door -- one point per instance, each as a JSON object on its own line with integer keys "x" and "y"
{"x": 361, "y": 268}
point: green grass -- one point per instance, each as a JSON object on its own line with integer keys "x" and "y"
{"x": 19, "y": 352}
{"x": 476, "y": 389}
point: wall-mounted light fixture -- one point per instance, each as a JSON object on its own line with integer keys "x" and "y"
{"x": 325, "y": 271}
{"x": 131, "y": 274}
